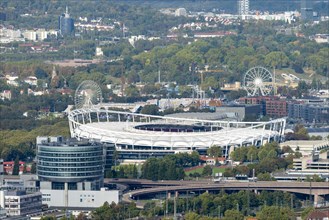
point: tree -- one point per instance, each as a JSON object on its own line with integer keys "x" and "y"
{"x": 262, "y": 154}
{"x": 150, "y": 110}
{"x": 306, "y": 212}
{"x": 132, "y": 91}
{"x": 265, "y": 177}
{"x": 34, "y": 168}
{"x": 24, "y": 168}
{"x": 214, "y": 151}
{"x": 207, "y": 171}
{"x": 233, "y": 215}
{"x": 16, "y": 166}
{"x": 240, "y": 154}
{"x": 274, "y": 213}
{"x": 81, "y": 216}
{"x": 272, "y": 154}
{"x": 192, "y": 216}
{"x": 287, "y": 149}
{"x": 135, "y": 171}
{"x": 276, "y": 59}
{"x": 317, "y": 178}
{"x": 252, "y": 153}
{"x": 298, "y": 154}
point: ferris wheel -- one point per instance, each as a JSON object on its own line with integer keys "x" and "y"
{"x": 87, "y": 94}
{"x": 258, "y": 81}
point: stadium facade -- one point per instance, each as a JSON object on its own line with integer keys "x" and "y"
{"x": 137, "y": 137}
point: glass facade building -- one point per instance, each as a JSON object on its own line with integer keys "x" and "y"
{"x": 306, "y": 10}
{"x": 70, "y": 162}
{"x": 65, "y": 24}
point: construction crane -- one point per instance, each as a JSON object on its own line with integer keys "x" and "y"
{"x": 207, "y": 70}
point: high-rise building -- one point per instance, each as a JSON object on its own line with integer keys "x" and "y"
{"x": 306, "y": 10}
{"x": 243, "y": 7}
{"x": 71, "y": 173}
{"x": 68, "y": 164}
{"x": 65, "y": 24}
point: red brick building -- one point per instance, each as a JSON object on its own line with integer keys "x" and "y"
{"x": 277, "y": 108}
{"x": 272, "y": 106}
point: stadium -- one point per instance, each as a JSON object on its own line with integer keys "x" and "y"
{"x": 138, "y": 136}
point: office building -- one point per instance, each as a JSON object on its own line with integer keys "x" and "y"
{"x": 24, "y": 182}
{"x": 241, "y": 112}
{"x": 272, "y": 106}
{"x": 99, "y": 52}
{"x": 276, "y": 108}
{"x": 307, "y": 167}
{"x": 180, "y": 12}
{"x": 66, "y": 24}
{"x": 30, "y": 35}
{"x": 306, "y": 10}
{"x": 312, "y": 112}
{"x": 316, "y": 163}
{"x": 71, "y": 173}
{"x": 20, "y": 203}
{"x": 69, "y": 165}
{"x": 243, "y": 7}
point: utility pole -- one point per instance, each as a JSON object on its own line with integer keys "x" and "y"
{"x": 274, "y": 81}
{"x": 291, "y": 201}
{"x": 175, "y": 217}
{"x": 310, "y": 193}
{"x": 186, "y": 201}
{"x": 248, "y": 201}
{"x": 166, "y": 204}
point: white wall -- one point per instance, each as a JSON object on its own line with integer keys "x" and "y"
{"x": 79, "y": 198}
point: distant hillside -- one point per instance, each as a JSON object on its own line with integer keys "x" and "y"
{"x": 230, "y": 6}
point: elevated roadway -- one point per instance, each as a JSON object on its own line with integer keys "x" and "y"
{"x": 317, "y": 189}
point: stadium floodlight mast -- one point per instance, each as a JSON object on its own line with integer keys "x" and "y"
{"x": 258, "y": 81}
{"x": 87, "y": 94}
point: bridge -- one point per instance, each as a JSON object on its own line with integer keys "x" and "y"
{"x": 318, "y": 190}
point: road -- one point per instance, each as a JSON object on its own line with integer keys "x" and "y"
{"x": 317, "y": 189}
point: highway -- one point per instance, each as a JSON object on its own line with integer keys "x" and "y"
{"x": 317, "y": 189}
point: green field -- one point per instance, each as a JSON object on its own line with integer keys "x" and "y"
{"x": 199, "y": 170}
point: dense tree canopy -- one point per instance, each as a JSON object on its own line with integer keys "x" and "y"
{"x": 170, "y": 167}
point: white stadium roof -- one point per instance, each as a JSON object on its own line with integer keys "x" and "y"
{"x": 119, "y": 128}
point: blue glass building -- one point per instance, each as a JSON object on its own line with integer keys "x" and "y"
{"x": 70, "y": 162}
{"x": 306, "y": 10}
{"x": 66, "y": 24}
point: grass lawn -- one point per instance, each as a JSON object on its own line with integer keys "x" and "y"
{"x": 200, "y": 169}
{"x": 218, "y": 170}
